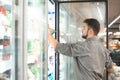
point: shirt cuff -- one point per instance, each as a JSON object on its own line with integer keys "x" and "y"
{"x": 57, "y": 47}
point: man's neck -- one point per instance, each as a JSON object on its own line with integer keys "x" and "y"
{"x": 92, "y": 36}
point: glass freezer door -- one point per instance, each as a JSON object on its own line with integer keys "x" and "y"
{"x": 71, "y": 20}
{"x": 6, "y": 41}
{"x": 36, "y": 39}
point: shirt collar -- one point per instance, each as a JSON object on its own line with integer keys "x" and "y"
{"x": 92, "y": 38}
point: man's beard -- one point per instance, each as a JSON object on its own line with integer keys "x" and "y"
{"x": 84, "y": 36}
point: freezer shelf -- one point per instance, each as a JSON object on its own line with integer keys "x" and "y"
{"x": 5, "y": 65}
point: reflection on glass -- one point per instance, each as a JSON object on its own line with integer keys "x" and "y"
{"x": 36, "y": 39}
{"x": 6, "y": 55}
{"x": 72, "y": 16}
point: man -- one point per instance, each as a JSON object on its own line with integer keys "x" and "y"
{"x": 89, "y": 56}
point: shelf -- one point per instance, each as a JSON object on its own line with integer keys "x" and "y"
{"x": 116, "y": 39}
{"x": 5, "y": 65}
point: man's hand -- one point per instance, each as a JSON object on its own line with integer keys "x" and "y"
{"x": 49, "y": 29}
{"x": 51, "y": 39}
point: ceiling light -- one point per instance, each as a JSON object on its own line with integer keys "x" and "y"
{"x": 114, "y": 21}
{"x": 99, "y": 13}
{"x": 97, "y": 3}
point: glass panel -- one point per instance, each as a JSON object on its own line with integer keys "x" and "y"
{"x": 36, "y": 39}
{"x": 6, "y": 39}
{"x": 51, "y": 52}
{"x": 72, "y": 16}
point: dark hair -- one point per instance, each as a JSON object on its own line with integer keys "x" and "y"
{"x": 94, "y": 24}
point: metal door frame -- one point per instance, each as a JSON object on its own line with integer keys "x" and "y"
{"x": 57, "y": 5}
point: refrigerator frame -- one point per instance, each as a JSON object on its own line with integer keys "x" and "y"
{"x": 57, "y": 11}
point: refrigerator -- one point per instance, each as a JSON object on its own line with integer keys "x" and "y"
{"x": 35, "y": 39}
{"x": 71, "y": 17}
{"x": 6, "y": 40}
{"x": 25, "y": 52}
{"x": 67, "y": 28}
{"x": 23, "y": 40}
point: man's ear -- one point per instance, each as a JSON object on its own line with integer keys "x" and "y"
{"x": 91, "y": 31}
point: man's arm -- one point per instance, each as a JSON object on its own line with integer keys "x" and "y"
{"x": 51, "y": 39}
{"x": 69, "y": 49}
